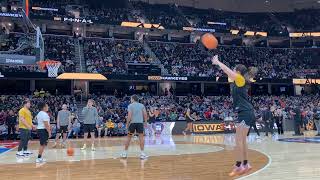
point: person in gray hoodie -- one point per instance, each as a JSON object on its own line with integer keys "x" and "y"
{"x": 90, "y": 118}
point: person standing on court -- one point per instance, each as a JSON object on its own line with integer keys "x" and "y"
{"x": 316, "y": 116}
{"x": 25, "y": 127}
{"x": 242, "y": 77}
{"x": 297, "y": 120}
{"x": 90, "y": 115}
{"x": 11, "y": 122}
{"x": 279, "y": 117}
{"x": 137, "y": 116}
{"x": 43, "y": 129}
{"x": 63, "y": 125}
{"x": 267, "y": 119}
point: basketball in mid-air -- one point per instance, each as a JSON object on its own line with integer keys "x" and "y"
{"x": 70, "y": 151}
{"x": 209, "y": 41}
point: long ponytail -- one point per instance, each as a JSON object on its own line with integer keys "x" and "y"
{"x": 251, "y": 74}
{"x": 248, "y": 73}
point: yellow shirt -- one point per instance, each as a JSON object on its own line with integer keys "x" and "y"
{"x": 110, "y": 125}
{"x": 26, "y": 114}
{"x": 42, "y": 93}
{"x": 240, "y": 80}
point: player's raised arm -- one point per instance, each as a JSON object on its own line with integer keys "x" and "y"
{"x": 231, "y": 74}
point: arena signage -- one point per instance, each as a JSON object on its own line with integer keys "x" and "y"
{"x": 305, "y": 34}
{"x": 11, "y": 15}
{"x": 10, "y": 59}
{"x": 141, "y": 25}
{"x": 306, "y": 81}
{"x": 85, "y": 21}
{"x": 205, "y": 128}
{"x": 167, "y": 78}
{"x": 198, "y": 29}
{"x": 1, "y": 75}
{"x": 216, "y": 23}
{"x": 77, "y": 20}
{"x": 44, "y": 9}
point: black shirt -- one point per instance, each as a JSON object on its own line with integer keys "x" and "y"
{"x": 316, "y": 113}
{"x": 240, "y": 97}
{"x": 11, "y": 120}
{"x": 297, "y": 116}
{"x": 266, "y": 115}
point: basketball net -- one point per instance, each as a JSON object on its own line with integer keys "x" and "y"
{"x": 52, "y": 67}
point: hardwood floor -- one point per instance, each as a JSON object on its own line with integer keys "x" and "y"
{"x": 174, "y": 158}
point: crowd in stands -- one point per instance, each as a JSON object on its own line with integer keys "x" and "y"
{"x": 14, "y": 103}
{"x": 172, "y": 16}
{"x": 61, "y": 48}
{"x": 14, "y": 68}
{"x": 301, "y": 20}
{"x": 17, "y": 43}
{"x": 113, "y": 110}
{"x": 111, "y": 56}
{"x": 163, "y": 14}
{"x": 108, "y": 15}
{"x": 193, "y": 59}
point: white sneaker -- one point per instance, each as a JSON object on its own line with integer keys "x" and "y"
{"x": 84, "y": 147}
{"x": 93, "y": 148}
{"x": 20, "y": 153}
{"x": 124, "y": 155}
{"x": 184, "y": 133}
{"x": 143, "y": 156}
{"x": 40, "y": 160}
{"x": 27, "y": 153}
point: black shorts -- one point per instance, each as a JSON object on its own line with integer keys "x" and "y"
{"x": 43, "y": 136}
{"x": 189, "y": 120}
{"x": 89, "y": 128}
{"x": 63, "y": 129}
{"x": 246, "y": 116}
{"x": 136, "y": 127}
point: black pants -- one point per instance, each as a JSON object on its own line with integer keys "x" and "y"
{"x": 269, "y": 127}
{"x": 279, "y": 125}
{"x": 110, "y": 131}
{"x": 24, "y": 139}
{"x": 254, "y": 127}
{"x": 11, "y": 129}
{"x": 297, "y": 126}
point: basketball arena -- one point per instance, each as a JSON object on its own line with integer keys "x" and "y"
{"x": 160, "y": 89}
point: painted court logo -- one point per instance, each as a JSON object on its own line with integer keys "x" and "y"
{"x": 302, "y": 140}
{"x": 4, "y": 147}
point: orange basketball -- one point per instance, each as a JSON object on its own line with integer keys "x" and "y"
{"x": 209, "y": 41}
{"x": 70, "y": 151}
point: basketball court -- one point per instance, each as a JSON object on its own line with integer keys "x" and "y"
{"x": 170, "y": 157}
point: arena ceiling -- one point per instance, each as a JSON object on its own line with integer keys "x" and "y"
{"x": 244, "y": 5}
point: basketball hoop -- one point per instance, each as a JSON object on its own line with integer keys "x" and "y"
{"x": 51, "y": 65}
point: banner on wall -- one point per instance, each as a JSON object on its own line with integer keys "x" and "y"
{"x": 76, "y": 20}
{"x": 305, "y": 34}
{"x": 11, "y": 59}
{"x": 15, "y": 15}
{"x": 167, "y": 78}
{"x": 198, "y": 29}
{"x": 306, "y": 81}
{"x": 141, "y": 25}
{"x": 43, "y": 9}
{"x": 208, "y": 128}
